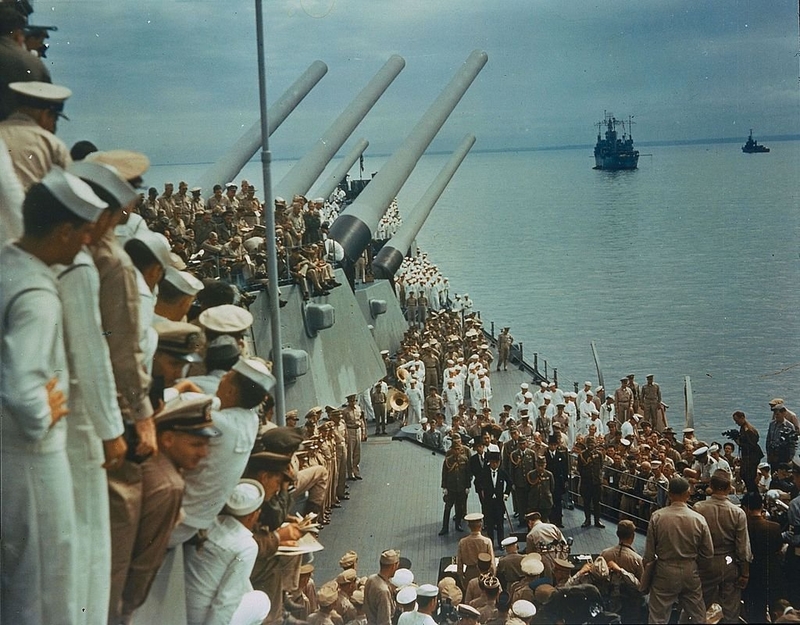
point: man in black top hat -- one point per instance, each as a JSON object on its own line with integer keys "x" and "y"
{"x": 558, "y": 464}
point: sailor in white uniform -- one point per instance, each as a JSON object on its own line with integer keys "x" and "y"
{"x": 538, "y": 396}
{"x": 520, "y": 396}
{"x": 451, "y": 396}
{"x": 39, "y": 573}
{"x": 94, "y": 426}
{"x": 240, "y": 392}
{"x": 218, "y": 588}
{"x": 415, "y": 400}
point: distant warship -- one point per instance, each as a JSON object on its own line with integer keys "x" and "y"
{"x": 613, "y": 153}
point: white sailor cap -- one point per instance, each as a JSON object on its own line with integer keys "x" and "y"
{"x": 255, "y": 370}
{"x": 176, "y": 262}
{"x": 713, "y": 448}
{"x": 402, "y": 577}
{"x": 228, "y": 185}
{"x": 196, "y": 189}
{"x": 183, "y": 281}
{"x": 157, "y": 244}
{"x": 524, "y": 386}
{"x": 589, "y": 393}
{"x": 226, "y": 319}
{"x": 74, "y": 194}
{"x": 547, "y": 396}
{"x": 128, "y": 164}
{"x": 532, "y": 564}
{"x": 41, "y": 95}
{"x": 247, "y": 497}
{"x": 625, "y": 442}
{"x": 465, "y": 610}
{"x": 598, "y": 389}
{"x": 587, "y": 383}
{"x": 407, "y": 595}
{"x": 593, "y": 411}
{"x": 427, "y": 590}
{"x": 107, "y": 178}
{"x": 528, "y": 396}
{"x": 700, "y": 451}
{"x": 764, "y": 465}
{"x": 493, "y": 449}
{"x": 507, "y": 542}
{"x": 523, "y": 608}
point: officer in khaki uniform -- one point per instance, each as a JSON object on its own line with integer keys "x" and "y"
{"x": 725, "y": 574}
{"x": 676, "y": 536}
{"x": 456, "y": 480}
{"x": 356, "y": 432}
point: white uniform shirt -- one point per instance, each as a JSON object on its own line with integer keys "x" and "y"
{"x": 211, "y": 483}
{"x": 218, "y": 575}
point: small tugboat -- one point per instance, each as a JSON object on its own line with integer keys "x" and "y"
{"x": 614, "y": 153}
{"x": 753, "y": 147}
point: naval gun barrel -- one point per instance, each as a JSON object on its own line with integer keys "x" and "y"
{"x": 388, "y": 260}
{"x": 231, "y": 163}
{"x": 353, "y": 229}
{"x": 303, "y": 174}
{"x": 327, "y": 186}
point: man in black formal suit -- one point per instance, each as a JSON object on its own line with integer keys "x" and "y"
{"x": 477, "y": 463}
{"x": 558, "y": 464}
{"x": 495, "y": 487}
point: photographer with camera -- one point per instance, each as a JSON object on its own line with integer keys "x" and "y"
{"x": 750, "y": 453}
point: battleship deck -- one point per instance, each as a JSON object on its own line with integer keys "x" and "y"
{"x": 399, "y": 505}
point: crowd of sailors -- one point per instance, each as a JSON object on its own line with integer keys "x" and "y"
{"x": 138, "y": 431}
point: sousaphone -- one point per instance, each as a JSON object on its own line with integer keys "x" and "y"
{"x": 402, "y": 374}
{"x": 398, "y": 400}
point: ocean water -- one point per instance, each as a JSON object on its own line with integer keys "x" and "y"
{"x": 689, "y": 265}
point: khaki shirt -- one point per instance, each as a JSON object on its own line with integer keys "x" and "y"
{"x": 728, "y": 526}
{"x": 119, "y": 311}
{"x": 469, "y": 547}
{"x": 33, "y": 150}
{"x": 677, "y": 533}
{"x": 626, "y": 557}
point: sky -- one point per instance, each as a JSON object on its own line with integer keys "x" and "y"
{"x": 178, "y": 79}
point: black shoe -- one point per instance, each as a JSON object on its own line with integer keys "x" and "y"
{"x": 345, "y": 497}
{"x": 351, "y": 479}
{"x": 443, "y": 531}
{"x": 336, "y": 505}
{"x": 459, "y": 528}
{"x": 306, "y": 297}
{"x": 358, "y": 477}
{"x": 586, "y": 524}
{"x": 598, "y": 524}
{"x": 560, "y": 525}
{"x": 282, "y": 303}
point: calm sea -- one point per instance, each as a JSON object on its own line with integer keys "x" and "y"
{"x": 688, "y": 266}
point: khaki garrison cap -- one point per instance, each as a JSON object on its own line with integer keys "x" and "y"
{"x": 192, "y": 416}
{"x": 328, "y": 594}
{"x": 349, "y": 559}
{"x": 127, "y": 163}
{"x": 390, "y": 556}
{"x": 179, "y": 339}
{"x": 226, "y": 319}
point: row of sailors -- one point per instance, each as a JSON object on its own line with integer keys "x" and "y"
{"x": 157, "y": 466}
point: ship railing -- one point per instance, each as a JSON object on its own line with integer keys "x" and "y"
{"x": 617, "y": 504}
{"x": 517, "y": 357}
